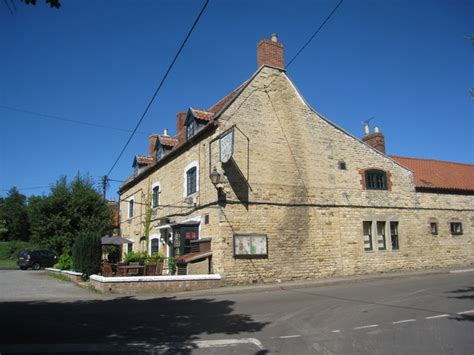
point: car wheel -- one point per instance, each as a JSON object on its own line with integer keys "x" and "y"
{"x": 36, "y": 266}
{"x": 23, "y": 267}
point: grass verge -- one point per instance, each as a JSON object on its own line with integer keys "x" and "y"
{"x": 60, "y": 277}
{"x": 8, "y": 264}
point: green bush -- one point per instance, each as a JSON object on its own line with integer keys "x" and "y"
{"x": 86, "y": 254}
{"x": 133, "y": 256}
{"x": 11, "y": 249}
{"x": 154, "y": 258}
{"x": 172, "y": 265}
{"x": 65, "y": 261}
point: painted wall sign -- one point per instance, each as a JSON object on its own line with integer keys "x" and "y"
{"x": 226, "y": 146}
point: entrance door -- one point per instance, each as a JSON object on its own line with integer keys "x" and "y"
{"x": 182, "y": 239}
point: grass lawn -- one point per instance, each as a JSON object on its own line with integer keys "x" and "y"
{"x": 8, "y": 264}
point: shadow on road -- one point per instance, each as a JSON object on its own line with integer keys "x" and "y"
{"x": 167, "y": 321}
{"x": 464, "y": 293}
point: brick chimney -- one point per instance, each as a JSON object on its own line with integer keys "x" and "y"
{"x": 376, "y": 139}
{"x": 271, "y": 52}
{"x": 152, "y": 140}
{"x": 180, "y": 132}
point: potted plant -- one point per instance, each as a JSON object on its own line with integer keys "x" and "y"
{"x": 154, "y": 264}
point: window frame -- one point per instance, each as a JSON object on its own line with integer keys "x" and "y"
{"x": 394, "y": 237}
{"x": 191, "y": 165}
{"x": 130, "y": 207}
{"x": 380, "y": 230}
{"x": 453, "y": 231}
{"x": 434, "y": 231}
{"x": 191, "y": 180}
{"x": 372, "y": 179}
{"x": 153, "y": 238}
{"x": 155, "y": 202}
{"x": 369, "y": 235}
{"x": 190, "y": 130}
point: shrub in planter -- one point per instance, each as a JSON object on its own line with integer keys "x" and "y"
{"x": 133, "y": 256}
{"x": 65, "y": 261}
{"x": 154, "y": 258}
{"x": 86, "y": 253}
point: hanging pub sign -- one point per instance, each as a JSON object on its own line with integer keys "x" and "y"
{"x": 250, "y": 245}
{"x": 226, "y": 146}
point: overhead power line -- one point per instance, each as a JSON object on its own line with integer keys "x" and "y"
{"x": 8, "y": 5}
{"x": 314, "y": 34}
{"x": 13, "y": 3}
{"x": 160, "y": 85}
{"x": 58, "y": 118}
{"x": 28, "y": 188}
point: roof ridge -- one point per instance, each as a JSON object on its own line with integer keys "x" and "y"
{"x": 429, "y": 159}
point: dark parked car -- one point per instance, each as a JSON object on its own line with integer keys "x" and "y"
{"x": 36, "y": 259}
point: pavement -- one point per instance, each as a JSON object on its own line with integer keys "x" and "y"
{"x": 412, "y": 313}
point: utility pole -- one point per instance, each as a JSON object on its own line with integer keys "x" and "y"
{"x": 105, "y": 181}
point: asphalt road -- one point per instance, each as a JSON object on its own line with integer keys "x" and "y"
{"x": 429, "y": 314}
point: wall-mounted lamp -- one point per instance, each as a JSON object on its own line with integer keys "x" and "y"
{"x": 215, "y": 177}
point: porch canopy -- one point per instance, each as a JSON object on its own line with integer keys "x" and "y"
{"x": 115, "y": 240}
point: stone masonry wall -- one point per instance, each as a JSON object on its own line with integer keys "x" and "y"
{"x": 284, "y": 181}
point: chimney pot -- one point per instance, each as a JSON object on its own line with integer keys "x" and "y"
{"x": 376, "y": 129}
{"x": 274, "y": 37}
{"x": 366, "y": 129}
{"x": 165, "y": 132}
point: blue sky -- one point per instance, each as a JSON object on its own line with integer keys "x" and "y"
{"x": 408, "y": 63}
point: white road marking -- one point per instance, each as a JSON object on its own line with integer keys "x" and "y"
{"x": 290, "y": 336}
{"x": 438, "y": 316}
{"x": 227, "y": 342}
{"x": 336, "y": 331}
{"x": 466, "y": 312}
{"x": 404, "y": 321}
{"x": 460, "y": 271}
{"x": 366, "y": 326}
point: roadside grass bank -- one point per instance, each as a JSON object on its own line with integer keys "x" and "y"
{"x": 8, "y": 264}
{"x": 59, "y": 277}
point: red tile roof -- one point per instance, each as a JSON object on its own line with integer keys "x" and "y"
{"x": 202, "y": 115}
{"x": 227, "y": 99}
{"x": 144, "y": 160}
{"x": 436, "y": 174}
{"x": 168, "y": 141}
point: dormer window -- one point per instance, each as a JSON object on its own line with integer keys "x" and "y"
{"x": 195, "y": 120}
{"x": 159, "y": 153}
{"x": 190, "y": 130}
{"x": 164, "y": 144}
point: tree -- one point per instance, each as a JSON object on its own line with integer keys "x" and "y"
{"x": 70, "y": 209}
{"x": 13, "y": 216}
{"x": 52, "y": 3}
{"x": 86, "y": 253}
